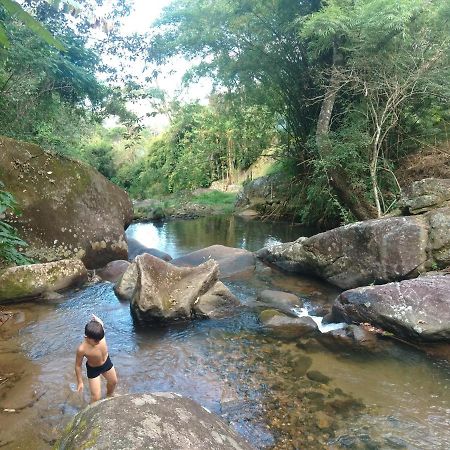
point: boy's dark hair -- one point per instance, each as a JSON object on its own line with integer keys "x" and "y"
{"x": 94, "y": 330}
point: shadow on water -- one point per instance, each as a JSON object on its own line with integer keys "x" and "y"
{"x": 279, "y": 393}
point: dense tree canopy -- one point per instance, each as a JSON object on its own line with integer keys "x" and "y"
{"x": 338, "y": 91}
{"x": 352, "y": 81}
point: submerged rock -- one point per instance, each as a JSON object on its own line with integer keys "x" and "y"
{"x": 232, "y": 261}
{"x": 34, "y": 280}
{"x": 319, "y": 377}
{"x": 279, "y": 298}
{"x": 416, "y": 309}
{"x": 69, "y": 210}
{"x": 160, "y": 291}
{"x": 286, "y": 326}
{"x": 144, "y": 421}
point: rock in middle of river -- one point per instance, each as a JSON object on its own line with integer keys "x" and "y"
{"x": 160, "y": 291}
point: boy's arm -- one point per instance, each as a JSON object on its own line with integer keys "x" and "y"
{"x": 78, "y": 361}
{"x": 97, "y": 319}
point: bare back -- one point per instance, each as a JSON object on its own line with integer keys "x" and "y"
{"x": 96, "y": 354}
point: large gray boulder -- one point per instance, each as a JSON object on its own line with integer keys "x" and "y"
{"x": 160, "y": 291}
{"x": 233, "y": 262}
{"x": 69, "y": 209}
{"x": 149, "y": 421}
{"x": 427, "y": 194}
{"x": 373, "y": 251}
{"x": 135, "y": 248}
{"x": 262, "y": 193}
{"x": 34, "y": 280}
{"x": 439, "y": 237}
{"x": 416, "y": 309}
{"x": 113, "y": 271}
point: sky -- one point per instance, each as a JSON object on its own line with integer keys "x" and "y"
{"x": 144, "y": 13}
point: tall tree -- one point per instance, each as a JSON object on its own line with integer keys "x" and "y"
{"x": 383, "y": 54}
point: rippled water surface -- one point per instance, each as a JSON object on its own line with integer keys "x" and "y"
{"x": 393, "y": 396}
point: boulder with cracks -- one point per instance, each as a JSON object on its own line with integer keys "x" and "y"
{"x": 161, "y": 292}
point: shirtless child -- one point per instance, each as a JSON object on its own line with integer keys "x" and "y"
{"x": 98, "y": 361}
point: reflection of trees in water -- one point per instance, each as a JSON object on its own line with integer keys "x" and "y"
{"x": 230, "y": 231}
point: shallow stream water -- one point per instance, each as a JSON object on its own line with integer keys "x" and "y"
{"x": 390, "y": 396}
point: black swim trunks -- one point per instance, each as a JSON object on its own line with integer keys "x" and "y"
{"x": 94, "y": 372}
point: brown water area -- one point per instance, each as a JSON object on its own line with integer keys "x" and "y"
{"x": 278, "y": 393}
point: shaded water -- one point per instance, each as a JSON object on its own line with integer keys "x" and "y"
{"x": 394, "y": 397}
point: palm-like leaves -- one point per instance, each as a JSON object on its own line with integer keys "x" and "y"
{"x": 15, "y": 10}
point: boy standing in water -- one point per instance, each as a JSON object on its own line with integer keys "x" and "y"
{"x": 98, "y": 362}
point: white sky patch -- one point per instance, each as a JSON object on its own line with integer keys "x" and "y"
{"x": 140, "y": 20}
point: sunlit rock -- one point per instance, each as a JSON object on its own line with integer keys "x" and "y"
{"x": 34, "y": 280}
{"x": 285, "y": 326}
{"x": 379, "y": 250}
{"x": 161, "y": 420}
{"x": 279, "y": 298}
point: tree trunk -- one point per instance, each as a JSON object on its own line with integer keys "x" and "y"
{"x": 349, "y": 197}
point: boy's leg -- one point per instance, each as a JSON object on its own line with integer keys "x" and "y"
{"x": 95, "y": 387}
{"x": 111, "y": 381}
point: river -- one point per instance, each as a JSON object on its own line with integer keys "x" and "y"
{"x": 391, "y": 396}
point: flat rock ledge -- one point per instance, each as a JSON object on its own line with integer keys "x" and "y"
{"x": 160, "y": 420}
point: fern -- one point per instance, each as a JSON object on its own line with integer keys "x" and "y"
{"x": 9, "y": 239}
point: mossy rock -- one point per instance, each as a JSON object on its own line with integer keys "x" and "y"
{"x": 69, "y": 210}
{"x": 35, "y": 279}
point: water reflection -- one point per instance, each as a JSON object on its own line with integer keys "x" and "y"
{"x": 179, "y": 237}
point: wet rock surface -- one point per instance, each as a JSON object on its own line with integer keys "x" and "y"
{"x": 34, "y": 280}
{"x": 416, "y": 309}
{"x": 282, "y": 325}
{"x": 279, "y": 298}
{"x": 113, "y": 271}
{"x": 143, "y": 421}
{"x": 69, "y": 210}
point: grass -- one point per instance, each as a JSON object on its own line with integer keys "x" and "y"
{"x": 215, "y": 198}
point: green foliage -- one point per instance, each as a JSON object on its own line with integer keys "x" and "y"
{"x": 215, "y": 198}
{"x": 15, "y": 10}
{"x": 201, "y": 145}
{"x": 50, "y": 97}
{"x": 9, "y": 239}
{"x": 389, "y": 63}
